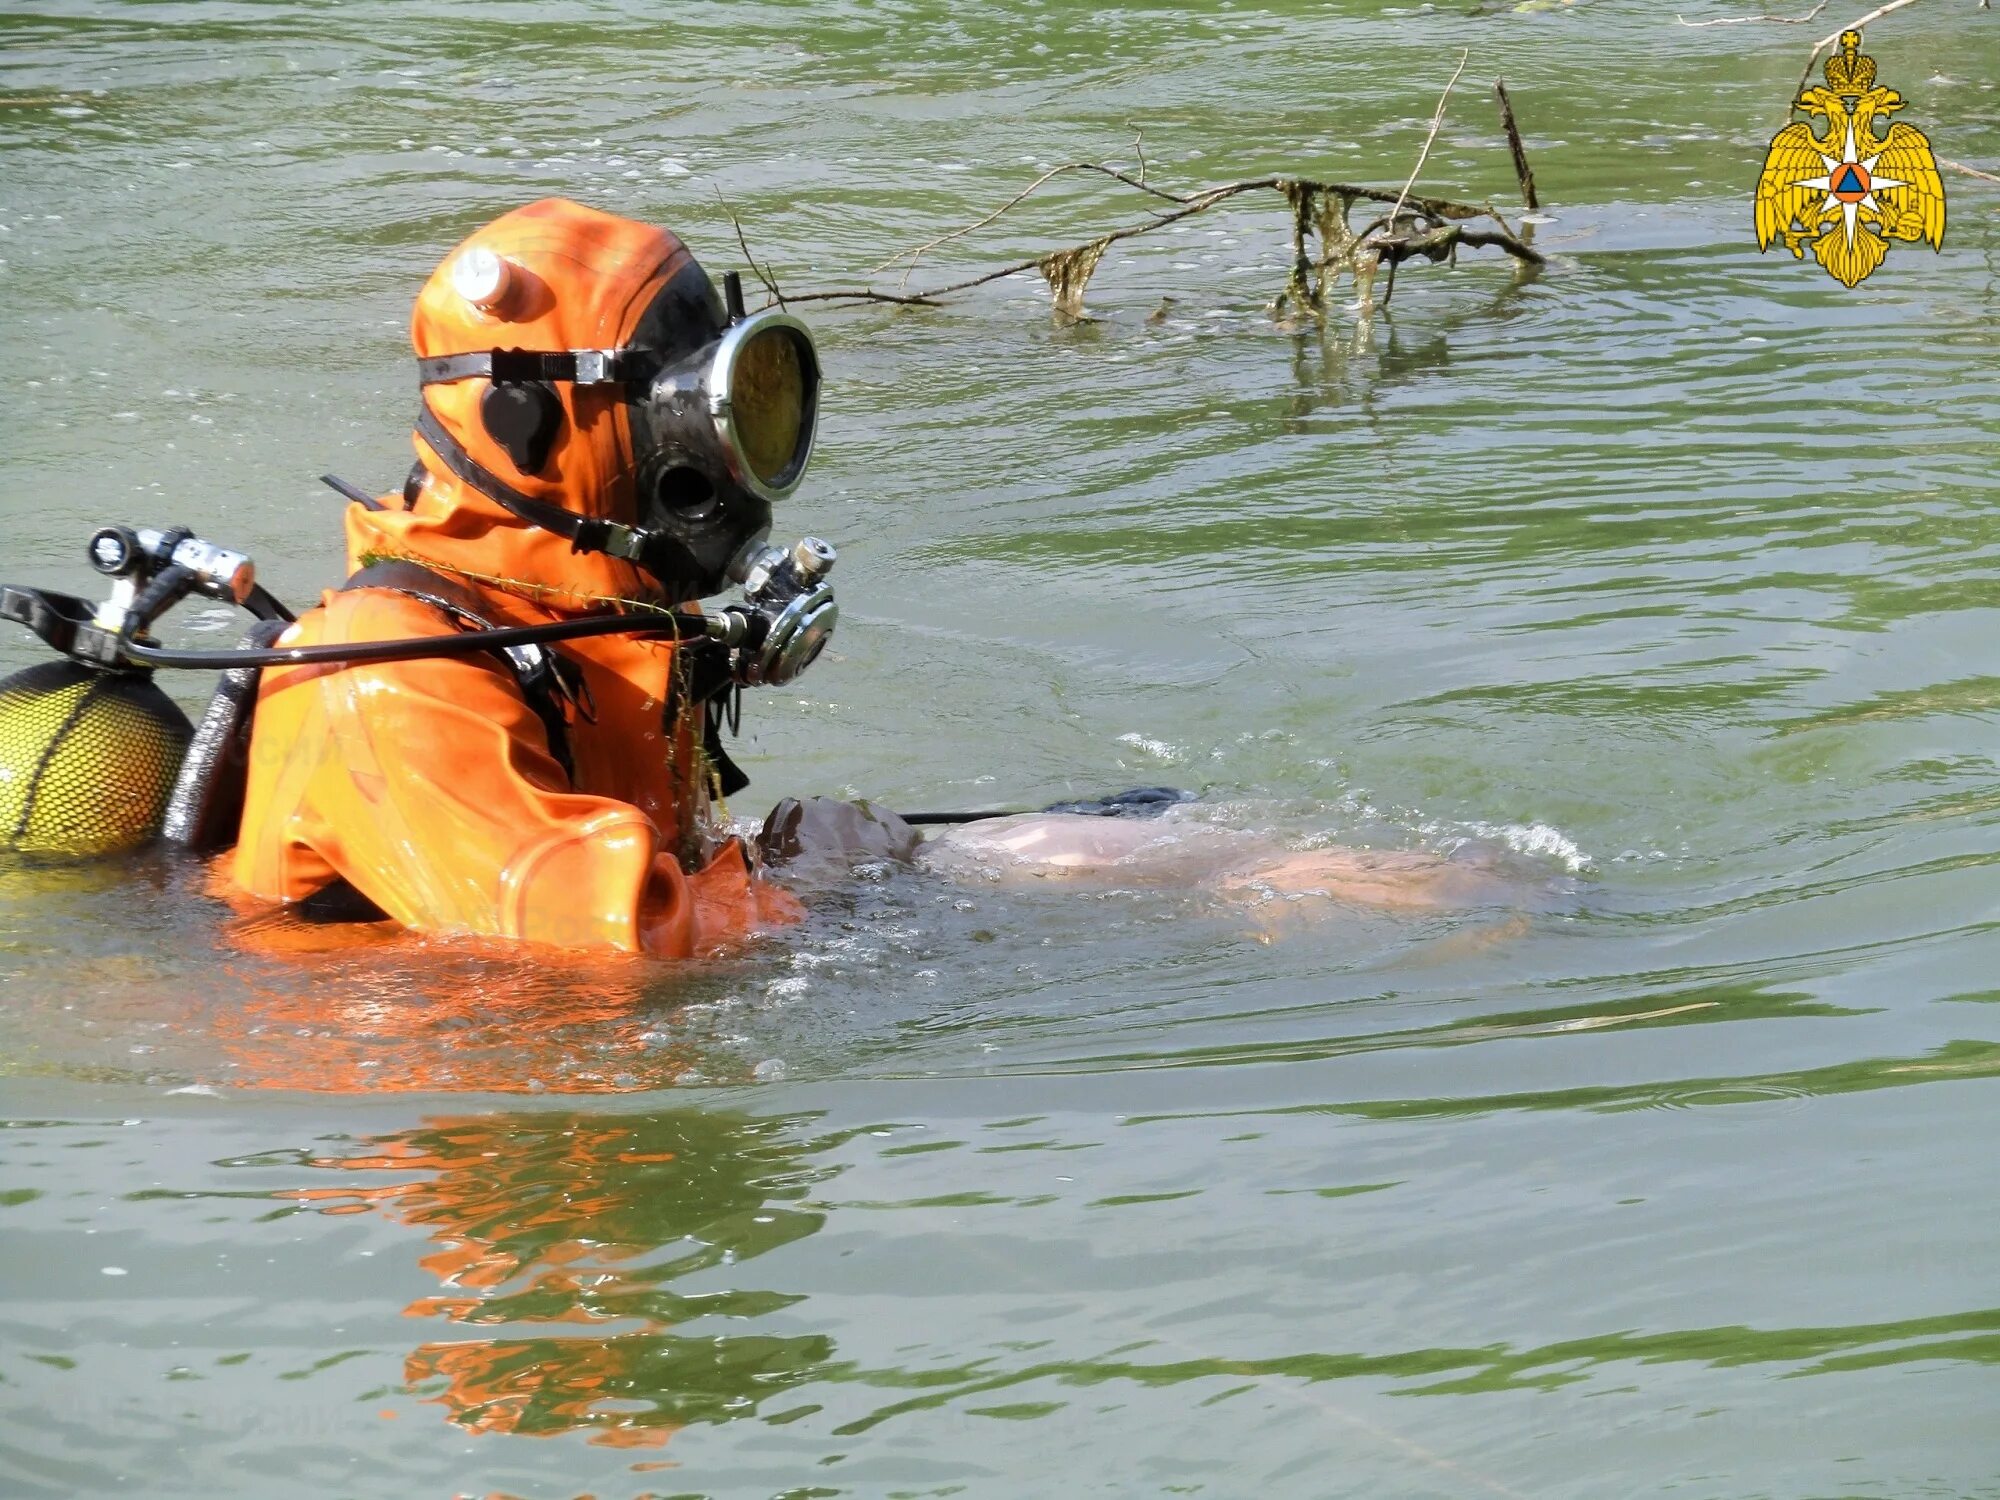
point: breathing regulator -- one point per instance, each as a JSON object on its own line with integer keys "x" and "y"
{"x": 95, "y": 758}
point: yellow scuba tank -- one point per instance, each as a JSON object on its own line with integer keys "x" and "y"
{"x": 94, "y": 757}
{"x": 88, "y": 758}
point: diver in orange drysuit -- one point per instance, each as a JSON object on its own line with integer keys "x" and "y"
{"x": 598, "y": 433}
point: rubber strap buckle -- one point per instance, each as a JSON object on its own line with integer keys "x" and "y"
{"x": 594, "y": 535}
{"x": 594, "y": 366}
{"x": 627, "y": 542}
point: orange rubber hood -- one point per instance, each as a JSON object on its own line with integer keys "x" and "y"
{"x": 577, "y": 278}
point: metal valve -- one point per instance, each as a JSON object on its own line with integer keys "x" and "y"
{"x": 156, "y": 569}
{"x": 124, "y": 551}
{"x": 789, "y": 614}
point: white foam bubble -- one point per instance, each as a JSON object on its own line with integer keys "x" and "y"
{"x": 1159, "y": 749}
{"x": 1536, "y": 840}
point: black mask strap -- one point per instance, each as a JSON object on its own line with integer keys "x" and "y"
{"x": 628, "y": 366}
{"x": 584, "y": 533}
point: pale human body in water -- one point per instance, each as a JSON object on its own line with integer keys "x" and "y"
{"x": 1173, "y": 851}
{"x": 1174, "y": 848}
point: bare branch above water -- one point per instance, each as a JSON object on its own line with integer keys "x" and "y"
{"x": 1522, "y": 173}
{"x": 1756, "y": 20}
{"x": 1959, "y": 166}
{"x": 1437, "y": 121}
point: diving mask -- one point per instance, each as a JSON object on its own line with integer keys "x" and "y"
{"x": 745, "y": 405}
{"x": 722, "y": 407}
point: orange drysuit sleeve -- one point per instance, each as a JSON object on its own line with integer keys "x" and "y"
{"x": 429, "y": 787}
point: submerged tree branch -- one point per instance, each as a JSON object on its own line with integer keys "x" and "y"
{"x": 1439, "y": 212}
{"x": 1324, "y": 244}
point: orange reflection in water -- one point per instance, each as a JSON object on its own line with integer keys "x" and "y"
{"x": 585, "y": 1222}
{"x": 372, "y": 1006}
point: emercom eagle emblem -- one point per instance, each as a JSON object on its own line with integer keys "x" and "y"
{"x": 1849, "y": 192}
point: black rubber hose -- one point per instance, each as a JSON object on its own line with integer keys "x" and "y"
{"x": 352, "y": 492}
{"x": 468, "y": 643}
{"x": 159, "y": 594}
{"x": 918, "y": 820}
{"x": 1139, "y": 802}
{"x": 266, "y": 605}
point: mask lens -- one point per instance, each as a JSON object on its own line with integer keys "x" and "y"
{"x": 770, "y": 399}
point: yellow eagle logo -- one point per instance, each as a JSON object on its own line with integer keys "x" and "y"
{"x": 1849, "y": 192}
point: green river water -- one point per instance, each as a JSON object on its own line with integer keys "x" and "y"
{"x": 1664, "y": 578}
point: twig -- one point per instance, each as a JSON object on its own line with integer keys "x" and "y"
{"x": 1959, "y": 166}
{"x": 1193, "y": 205}
{"x": 869, "y": 294}
{"x": 1014, "y": 202}
{"x": 1754, "y": 20}
{"x": 1827, "y": 41}
{"x": 1437, "y": 120}
{"x": 770, "y": 282}
{"x": 1521, "y": 172}
{"x": 1139, "y": 150}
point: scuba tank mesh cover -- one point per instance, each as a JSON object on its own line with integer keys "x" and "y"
{"x": 87, "y": 759}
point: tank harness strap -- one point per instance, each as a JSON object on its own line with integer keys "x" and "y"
{"x": 730, "y": 778}
{"x": 584, "y": 533}
{"x": 548, "y": 681}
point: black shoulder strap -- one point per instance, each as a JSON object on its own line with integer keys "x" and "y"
{"x": 535, "y": 668}
{"x": 419, "y": 582}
